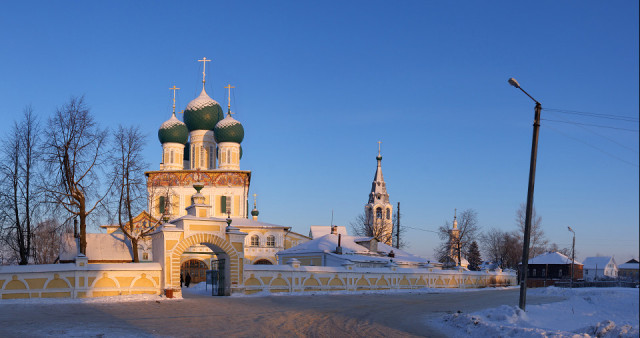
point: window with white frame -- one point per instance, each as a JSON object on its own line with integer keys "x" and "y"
{"x": 255, "y": 240}
{"x": 271, "y": 241}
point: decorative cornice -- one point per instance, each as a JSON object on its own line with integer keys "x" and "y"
{"x": 189, "y": 177}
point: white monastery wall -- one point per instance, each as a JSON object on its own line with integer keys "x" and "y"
{"x": 79, "y": 280}
{"x": 296, "y": 278}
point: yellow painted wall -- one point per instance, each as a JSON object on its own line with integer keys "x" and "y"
{"x": 62, "y": 284}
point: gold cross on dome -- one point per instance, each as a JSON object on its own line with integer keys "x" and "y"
{"x": 229, "y": 86}
{"x": 174, "y": 88}
{"x": 204, "y": 66}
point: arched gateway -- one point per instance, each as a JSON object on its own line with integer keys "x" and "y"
{"x": 226, "y": 242}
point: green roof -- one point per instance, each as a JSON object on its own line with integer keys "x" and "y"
{"x": 229, "y": 130}
{"x": 174, "y": 131}
{"x": 202, "y": 113}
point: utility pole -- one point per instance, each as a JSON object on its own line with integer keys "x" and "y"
{"x": 398, "y": 228}
{"x": 573, "y": 255}
{"x": 532, "y": 179}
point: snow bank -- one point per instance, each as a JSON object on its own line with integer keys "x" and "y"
{"x": 94, "y": 300}
{"x": 599, "y": 312}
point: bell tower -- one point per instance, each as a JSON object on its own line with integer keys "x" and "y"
{"x": 378, "y": 211}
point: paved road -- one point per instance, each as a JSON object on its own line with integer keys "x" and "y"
{"x": 371, "y": 315}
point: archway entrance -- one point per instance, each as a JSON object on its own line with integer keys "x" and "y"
{"x": 230, "y": 272}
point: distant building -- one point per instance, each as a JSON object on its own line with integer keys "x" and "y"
{"x": 551, "y": 267}
{"x": 378, "y": 211}
{"x": 317, "y": 231}
{"x": 336, "y": 250}
{"x": 629, "y": 271}
{"x": 598, "y": 268}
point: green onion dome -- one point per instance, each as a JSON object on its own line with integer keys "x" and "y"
{"x": 202, "y": 113}
{"x": 255, "y": 212}
{"x": 228, "y": 130}
{"x": 173, "y": 130}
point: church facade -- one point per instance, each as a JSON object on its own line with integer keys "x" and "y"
{"x": 205, "y": 150}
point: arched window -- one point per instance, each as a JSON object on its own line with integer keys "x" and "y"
{"x": 263, "y": 262}
{"x": 202, "y": 157}
{"x": 161, "y": 204}
{"x": 171, "y": 158}
{"x": 211, "y": 157}
{"x": 271, "y": 241}
{"x": 255, "y": 240}
{"x": 192, "y": 159}
{"x": 379, "y": 213}
{"x": 388, "y": 213}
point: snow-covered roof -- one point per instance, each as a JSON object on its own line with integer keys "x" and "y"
{"x": 327, "y": 243}
{"x": 597, "y": 262}
{"x": 352, "y": 250}
{"x": 251, "y": 222}
{"x": 629, "y": 266}
{"x": 227, "y": 122}
{"x": 100, "y": 247}
{"x": 203, "y": 100}
{"x": 317, "y": 231}
{"x": 171, "y": 122}
{"x": 552, "y": 258}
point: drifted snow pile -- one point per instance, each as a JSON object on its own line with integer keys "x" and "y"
{"x": 589, "y": 312}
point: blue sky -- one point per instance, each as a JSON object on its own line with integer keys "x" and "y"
{"x": 319, "y": 83}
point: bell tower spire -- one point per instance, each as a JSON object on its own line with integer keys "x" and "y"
{"x": 379, "y": 211}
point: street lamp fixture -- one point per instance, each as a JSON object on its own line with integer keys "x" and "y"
{"x": 532, "y": 179}
{"x": 573, "y": 254}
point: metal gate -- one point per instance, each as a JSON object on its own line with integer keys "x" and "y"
{"x": 217, "y": 277}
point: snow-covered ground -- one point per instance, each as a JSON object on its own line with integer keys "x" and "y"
{"x": 95, "y": 300}
{"x": 588, "y": 312}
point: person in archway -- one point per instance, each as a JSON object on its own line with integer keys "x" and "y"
{"x": 181, "y": 280}
{"x": 187, "y": 280}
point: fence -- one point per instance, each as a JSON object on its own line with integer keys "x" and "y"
{"x": 296, "y": 278}
{"x": 79, "y": 280}
{"x": 597, "y": 284}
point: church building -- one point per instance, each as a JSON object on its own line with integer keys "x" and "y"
{"x": 206, "y": 150}
{"x": 378, "y": 211}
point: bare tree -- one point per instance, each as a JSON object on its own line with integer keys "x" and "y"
{"x": 555, "y": 248}
{"x": 19, "y": 199}
{"x": 502, "y": 247}
{"x": 129, "y": 185}
{"x": 75, "y": 152}
{"x": 47, "y": 240}
{"x": 538, "y": 241}
{"x": 376, "y": 230}
{"x": 455, "y": 245}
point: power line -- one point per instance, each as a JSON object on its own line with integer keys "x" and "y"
{"x": 592, "y": 146}
{"x": 598, "y": 115}
{"x": 592, "y": 125}
{"x": 609, "y": 139}
{"x": 406, "y": 226}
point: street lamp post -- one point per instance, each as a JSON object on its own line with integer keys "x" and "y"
{"x": 532, "y": 179}
{"x": 573, "y": 254}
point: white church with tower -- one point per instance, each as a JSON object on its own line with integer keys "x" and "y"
{"x": 379, "y": 211}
